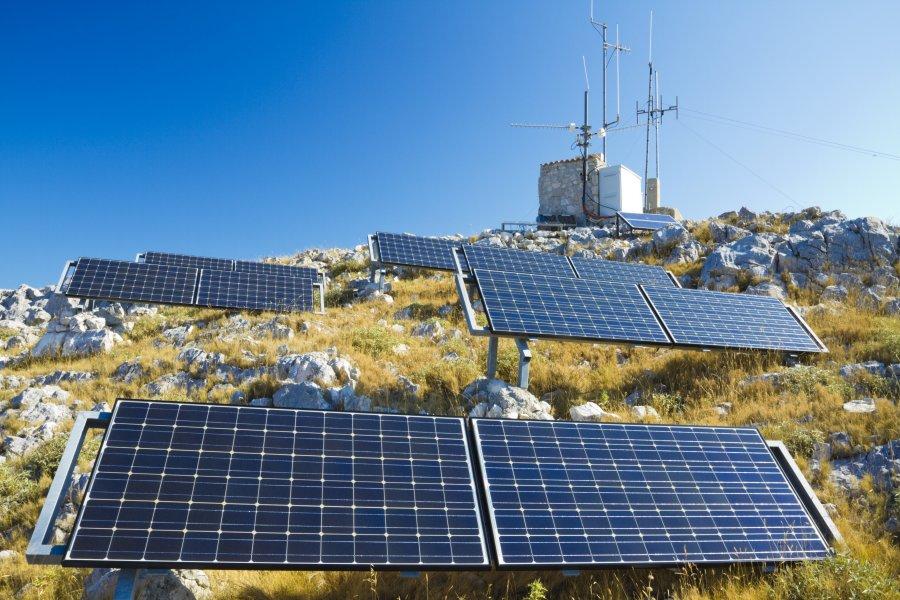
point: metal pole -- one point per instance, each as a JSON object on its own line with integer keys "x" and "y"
{"x": 603, "y": 35}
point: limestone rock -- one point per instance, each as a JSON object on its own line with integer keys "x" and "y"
{"x": 497, "y": 399}
{"x": 321, "y": 367}
{"x": 591, "y": 411}
{"x": 129, "y": 371}
{"x": 81, "y": 334}
{"x": 171, "y": 382}
{"x": 31, "y": 397}
{"x": 300, "y": 395}
{"x": 753, "y": 255}
{"x": 860, "y": 405}
{"x": 642, "y": 413}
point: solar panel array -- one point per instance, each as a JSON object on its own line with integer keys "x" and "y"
{"x": 620, "y": 272}
{"x": 722, "y": 320}
{"x": 103, "y": 279}
{"x": 417, "y": 251}
{"x": 190, "y": 262}
{"x": 517, "y": 261}
{"x": 193, "y": 280}
{"x": 254, "y": 291}
{"x": 180, "y": 484}
{"x": 592, "y": 494}
{"x": 646, "y": 221}
{"x": 566, "y": 307}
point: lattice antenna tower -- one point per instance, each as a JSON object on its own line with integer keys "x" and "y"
{"x": 654, "y": 111}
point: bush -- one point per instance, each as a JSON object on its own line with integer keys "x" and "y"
{"x": 374, "y": 341}
{"x": 840, "y": 578}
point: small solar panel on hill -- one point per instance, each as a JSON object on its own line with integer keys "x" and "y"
{"x": 247, "y": 266}
{"x": 216, "y": 486}
{"x": 517, "y": 261}
{"x": 417, "y": 251}
{"x": 646, "y": 221}
{"x": 602, "y": 494}
{"x": 620, "y": 272}
{"x": 529, "y": 305}
{"x": 721, "y": 320}
{"x": 185, "y": 260}
{"x": 119, "y": 280}
{"x": 254, "y": 291}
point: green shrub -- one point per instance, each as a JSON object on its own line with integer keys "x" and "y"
{"x": 349, "y": 266}
{"x": 840, "y": 578}
{"x": 374, "y": 341}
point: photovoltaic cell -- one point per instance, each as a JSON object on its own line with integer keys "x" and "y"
{"x": 219, "y": 486}
{"x": 646, "y": 221}
{"x": 119, "y": 280}
{"x": 254, "y": 291}
{"x": 247, "y": 266}
{"x": 722, "y": 320}
{"x": 416, "y": 251}
{"x": 619, "y": 272}
{"x": 191, "y": 262}
{"x": 592, "y": 494}
{"x": 517, "y": 261}
{"x": 531, "y": 305}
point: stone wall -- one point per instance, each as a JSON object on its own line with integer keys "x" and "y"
{"x": 559, "y": 187}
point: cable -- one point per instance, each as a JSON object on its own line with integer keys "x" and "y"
{"x": 789, "y": 134}
{"x": 751, "y": 171}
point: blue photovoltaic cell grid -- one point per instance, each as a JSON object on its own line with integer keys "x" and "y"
{"x": 217, "y": 486}
{"x": 517, "y": 261}
{"x": 191, "y": 262}
{"x": 247, "y": 266}
{"x": 254, "y": 291}
{"x": 610, "y": 494}
{"x": 649, "y": 221}
{"x": 416, "y": 251}
{"x": 619, "y": 272}
{"x": 131, "y": 282}
{"x": 565, "y": 307}
{"x": 722, "y": 320}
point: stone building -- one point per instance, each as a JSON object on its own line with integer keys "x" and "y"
{"x": 559, "y": 187}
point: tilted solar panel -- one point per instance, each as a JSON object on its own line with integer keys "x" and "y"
{"x": 191, "y": 262}
{"x": 417, "y": 251}
{"x": 126, "y": 281}
{"x": 648, "y": 221}
{"x": 254, "y": 291}
{"x": 601, "y": 494}
{"x": 247, "y": 266}
{"x": 218, "y": 486}
{"x": 517, "y": 261}
{"x": 619, "y": 272}
{"x": 529, "y": 305}
{"x": 722, "y": 320}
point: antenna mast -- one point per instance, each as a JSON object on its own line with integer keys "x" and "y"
{"x": 616, "y": 49}
{"x": 654, "y": 112}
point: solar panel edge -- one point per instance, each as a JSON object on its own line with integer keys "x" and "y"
{"x": 68, "y": 283}
{"x": 486, "y": 564}
{"x": 380, "y": 237}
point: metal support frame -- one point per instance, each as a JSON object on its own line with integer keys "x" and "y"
{"x": 377, "y": 272}
{"x": 804, "y": 491}
{"x": 524, "y": 361}
{"x": 493, "y": 342}
{"x": 126, "y": 585}
{"x": 40, "y": 550}
{"x": 62, "y": 276}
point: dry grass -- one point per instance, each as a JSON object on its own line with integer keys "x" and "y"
{"x": 683, "y": 386}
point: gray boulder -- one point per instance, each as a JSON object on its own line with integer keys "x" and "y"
{"x": 494, "y": 398}
{"x": 300, "y": 395}
{"x": 881, "y": 462}
{"x": 63, "y": 376}
{"x": 666, "y": 239}
{"x": 591, "y": 411}
{"x": 129, "y": 371}
{"x": 860, "y": 405}
{"x": 723, "y": 233}
{"x": 180, "y": 381}
{"x": 872, "y": 367}
{"x": 167, "y": 584}
{"x": 200, "y": 360}
{"x": 272, "y": 328}
{"x": 325, "y": 368}
{"x": 767, "y": 288}
{"x": 177, "y": 336}
{"x": 835, "y": 293}
{"x": 753, "y": 255}
{"x": 81, "y": 334}
{"x": 36, "y": 395}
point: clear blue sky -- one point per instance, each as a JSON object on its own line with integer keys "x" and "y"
{"x": 264, "y": 128}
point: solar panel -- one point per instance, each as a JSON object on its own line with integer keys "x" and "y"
{"x": 185, "y": 260}
{"x": 215, "y": 486}
{"x": 619, "y": 272}
{"x": 131, "y": 282}
{"x": 517, "y": 261}
{"x": 416, "y": 251}
{"x": 531, "y": 305}
{"x": 247, "y": 266}
{"x": 722, "y": 320}
{"x": 254, "y": 291}
{"x": 648, "y": 221}
{"x": 602, "y": 494}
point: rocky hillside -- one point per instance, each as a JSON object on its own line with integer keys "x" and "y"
{"x": 408, "y": 350}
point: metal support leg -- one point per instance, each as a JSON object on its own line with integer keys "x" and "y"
{"x": 492, "y": 357}
{"x": 524, "y": 361}
{"x": 125, "y": 586}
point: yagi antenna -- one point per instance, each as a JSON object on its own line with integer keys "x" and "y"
{"x": 616, "y": 48}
